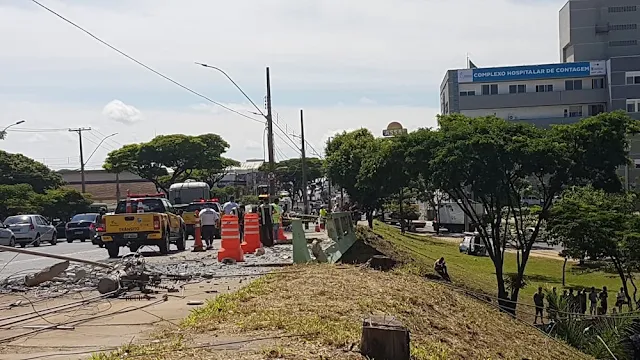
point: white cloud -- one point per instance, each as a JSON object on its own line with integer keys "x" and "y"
{"x": 366, "y": 101}
{"x": 120, "y": 112}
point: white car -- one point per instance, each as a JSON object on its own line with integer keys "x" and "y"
{"x": 31, "y": 229}
{"x": 6, "y": 236}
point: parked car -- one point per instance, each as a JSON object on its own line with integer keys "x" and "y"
{"x": 31, "y": 229}
{"x": 7, "y": 238}
{"x": 61, "y": 228}
{"x": 82, "y": 227}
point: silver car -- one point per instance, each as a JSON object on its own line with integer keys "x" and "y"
{"x": 6, "y": 236}
{"x": 31, "y": 229}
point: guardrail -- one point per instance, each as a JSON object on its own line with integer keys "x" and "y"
{"x": 341, "y": 231}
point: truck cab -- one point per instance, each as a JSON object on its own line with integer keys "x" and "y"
{"x": 143, "y": 219}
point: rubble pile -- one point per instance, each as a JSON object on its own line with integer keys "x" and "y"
{"x": 135, "y": 273}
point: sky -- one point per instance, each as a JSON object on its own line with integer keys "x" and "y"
{"x": 347, "y": 63}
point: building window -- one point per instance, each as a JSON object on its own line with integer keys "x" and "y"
{"x": 617, "y": 9}
{"x": 623, "y": 27}
{"x": 637, "y": 163}
{"x": 575, "y": 111}
{"x": 490, "y": 89}
{"x": 633, "y": 80}
{"x": 596, "y": 109}
{"x": 544, "y": 88}
{"x": 573, "y": 85}
{"x": 597, "y": 83}
{"x": 633, "y": 105}
{"x": 514, "y": 89}
{"x": 623, "y": 43}
{"x": 468, "y": 93}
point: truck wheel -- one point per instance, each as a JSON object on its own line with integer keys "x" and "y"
{"x": 164, "y": 245}
{"x": 181, "y": 243}
{"x": 113, "y": 250}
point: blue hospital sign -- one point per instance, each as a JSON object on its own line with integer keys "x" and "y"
{"x": 533, "y": 72}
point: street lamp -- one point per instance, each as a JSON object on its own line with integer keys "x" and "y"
{"x": 237, "y": 87}
{"x": 3, "y": 133}
{"x": 98, "y": 146}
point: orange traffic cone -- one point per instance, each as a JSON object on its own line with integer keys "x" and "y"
{"x": 251, "y": 233}
{"x": 281, "y": 236}
{"x": 230, "y": 244}
{"x": 197, "y": 235}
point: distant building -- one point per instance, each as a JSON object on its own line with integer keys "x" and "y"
{"x": 247, "y": 174}
{"x": 599, "y": 72}
{"x": 107, "y": 187}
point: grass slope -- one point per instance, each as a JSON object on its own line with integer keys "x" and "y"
{"x": 316, "y": 312}
{"x": 478, "y": 273}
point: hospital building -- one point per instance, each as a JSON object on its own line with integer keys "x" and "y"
{"x": 598, "y": 71}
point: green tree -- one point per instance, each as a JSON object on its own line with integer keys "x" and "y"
{"x": 347, "y": 154}
{"x": 18, "y": 199}
{"x": 494, "y": 162}
{"x": 63, "y": 203}
{"x": 290, "y": 172}
{"x": 19, "y": 169}
{"x": 168, "y": 159}
{"x": 593, "y": 224}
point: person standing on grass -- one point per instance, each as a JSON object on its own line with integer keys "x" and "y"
{"x": 621, "y": 299}
{"x": 593, "y": 299}
{"x": 538, "y": 300}
{"x": 582, "y": 300}
{"x": 603, "y": 301}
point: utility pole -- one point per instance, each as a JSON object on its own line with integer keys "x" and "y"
{"x": 79, "y": 131}
{"x": 305, "y": 196}
{"x": 272, "y": 163}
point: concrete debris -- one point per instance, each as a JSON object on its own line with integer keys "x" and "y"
{"x": 195, "y": 302}
{"x": 46, "y": 274}
{"x": 150, "y": 275}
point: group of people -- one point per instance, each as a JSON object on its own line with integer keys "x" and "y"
{"x": 596, "y": 302}
{"x": 270, "y": 215}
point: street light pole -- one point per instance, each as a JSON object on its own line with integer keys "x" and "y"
{"x": 269, "y": 120}
{"x": 3, "y": 133}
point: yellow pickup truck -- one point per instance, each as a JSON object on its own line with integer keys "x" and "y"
{"x": 143, "y": 219}
{"x": 189, "y": 215}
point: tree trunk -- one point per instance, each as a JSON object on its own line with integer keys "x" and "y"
{"x": 385, "y": 338}
{"x": 503, "y": 297}
{"x": 623, "y": 278}
{"x": 401, "y": 213}
{"x": 564, "y": 268}
{"x": 635, "y": 288}
{"x": 369, "y": 215}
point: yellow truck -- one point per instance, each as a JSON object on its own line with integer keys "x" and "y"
{"x": 189, "y": 215}
{"x": 143, "y": 219}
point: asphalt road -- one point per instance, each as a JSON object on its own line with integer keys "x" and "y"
{"x": 12, "y": 263}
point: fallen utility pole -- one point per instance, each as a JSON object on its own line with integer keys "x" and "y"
{"x": 54, "y": 256}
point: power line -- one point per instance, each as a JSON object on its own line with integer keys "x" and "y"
{"x": 142, "y": 64}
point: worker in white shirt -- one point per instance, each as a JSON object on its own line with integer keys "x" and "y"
{"x": 229, "y": 205}
{"x": 208, "y": 221}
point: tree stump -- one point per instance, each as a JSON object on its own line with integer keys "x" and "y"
{"x": 384, "y": 338}
{"x": 381, "y": 262}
